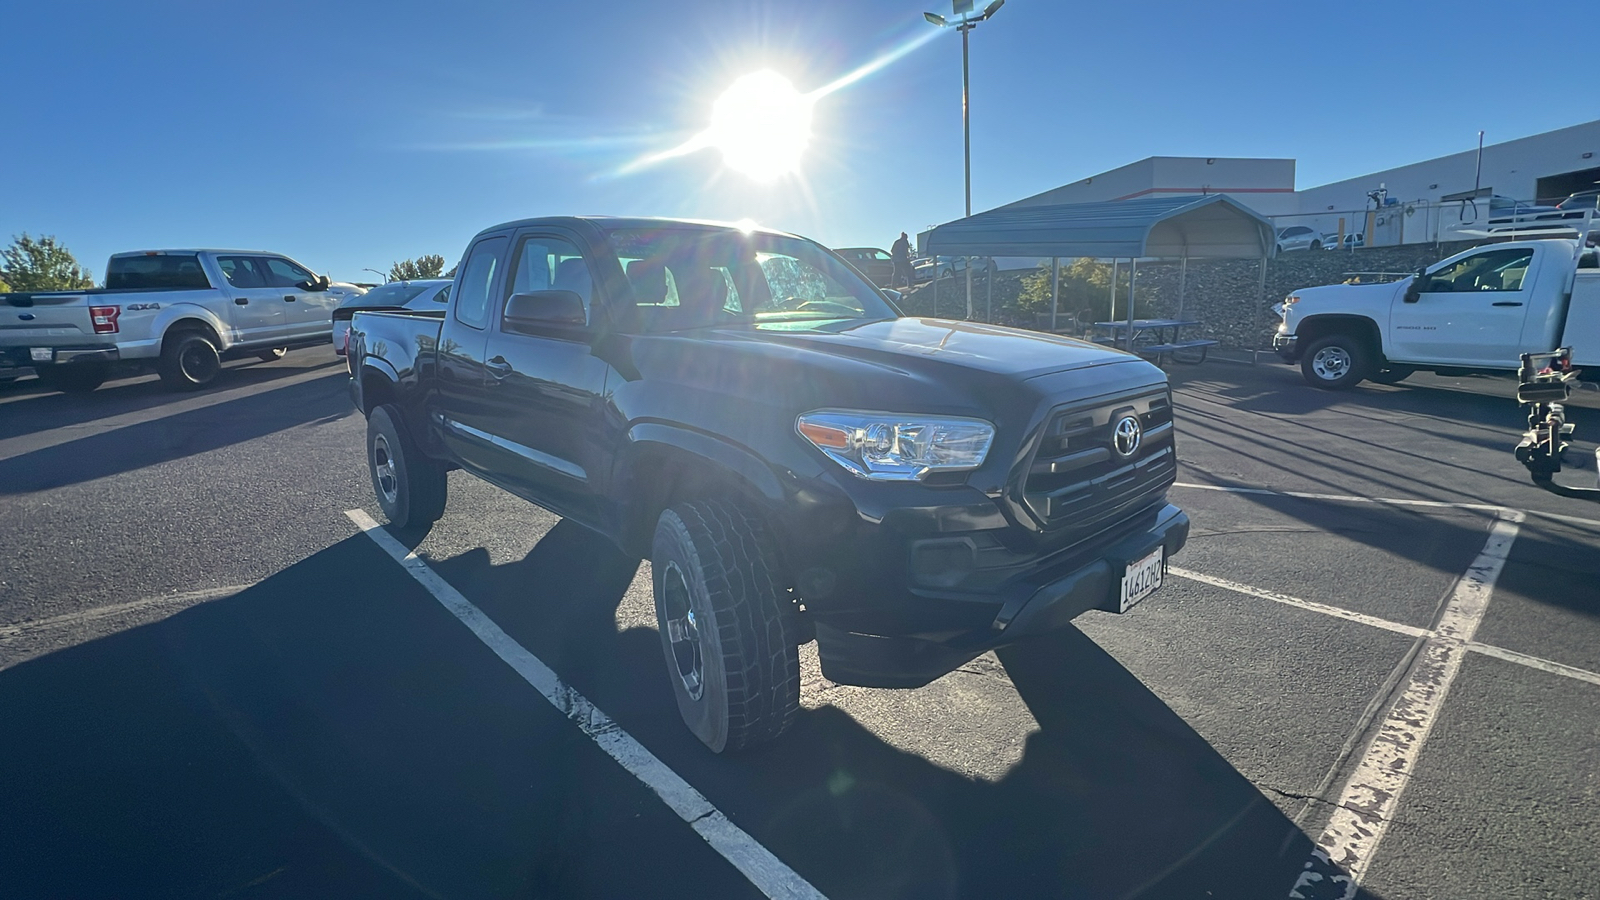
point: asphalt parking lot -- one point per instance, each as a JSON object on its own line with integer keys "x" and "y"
{"x": 216, "y": 683}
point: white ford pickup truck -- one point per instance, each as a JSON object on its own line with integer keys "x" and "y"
{"x": 182, "y": 310}
{"x": 1476, "y": 311}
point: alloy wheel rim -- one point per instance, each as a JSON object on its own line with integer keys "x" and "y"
{"x": 383, "y": 468}
{"x": 197, "y": 363}
{"x": 1331, "y": 363}
{"x": 683, "y": 631}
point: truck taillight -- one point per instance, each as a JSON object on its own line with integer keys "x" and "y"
{"x": 104, "y": 318}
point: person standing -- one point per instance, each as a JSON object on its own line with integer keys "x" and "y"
{"x": 900, "y": 254}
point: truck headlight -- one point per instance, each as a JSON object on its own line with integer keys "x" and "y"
{"x": 882, "y": 446}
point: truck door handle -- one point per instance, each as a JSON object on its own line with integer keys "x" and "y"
{"x": 242, "y": 301}
{"x": 1509, "y": 303}
{"x": 288, "y": 298}
{"x": 498, "y": 367}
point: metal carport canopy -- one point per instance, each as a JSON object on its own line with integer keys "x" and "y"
{"x": 1211, "y": 226}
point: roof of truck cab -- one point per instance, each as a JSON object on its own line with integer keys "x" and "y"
{"x": 614, "y": 222}
{"x": 188, "y": 250}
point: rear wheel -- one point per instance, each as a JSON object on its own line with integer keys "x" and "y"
{"x": 727, "y": 628}
{"x": 1392, "y": 374}
{"x": 410, "y": 487}
{"x": 273, "y": 355}
{"x": 1336, "y": 362}
{"x": 1316, "y": 245}
{"x": 80, "y": 378}
{"x": 189, "y": 361}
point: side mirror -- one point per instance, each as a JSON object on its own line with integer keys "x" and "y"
{"x": 543, "y": 309}
{"x": 1414, "y": 289}
{"x": 315, "y": 283}
{"x": 893, "y": 295}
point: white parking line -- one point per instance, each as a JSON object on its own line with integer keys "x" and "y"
{"x": 769, "y": 874}
{"x": 1389, "y": 501}
{"x": 1535, "y": 662}
{"x": 188, "y": 598}
{"x": 1287, "y": 600}
{"x": 1523, "y": 659}
{"x": 1366, "y": 805}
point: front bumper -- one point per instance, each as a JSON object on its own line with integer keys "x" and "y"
{"x": 1287, "y": 346}
{"x": 904, "y": 629}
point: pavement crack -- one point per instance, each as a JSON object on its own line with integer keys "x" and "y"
{"x": 1316, "y": 799}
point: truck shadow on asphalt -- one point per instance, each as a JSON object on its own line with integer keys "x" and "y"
{"x": 1115, "y": 795}
{"x": 36, "y": 409}
{"x": 320, "y": 734}
{"x": 163, "y": 439}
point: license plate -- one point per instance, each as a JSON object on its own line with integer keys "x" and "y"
{"x": 1141, "y": 578}
{"x": 39, "y": 354}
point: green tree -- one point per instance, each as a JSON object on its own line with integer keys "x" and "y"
{"x": 429, "y": 266}
{"x": 4, "y": 287}
{"x": 1085, "y": 285}
{"x": 42, "y": 264}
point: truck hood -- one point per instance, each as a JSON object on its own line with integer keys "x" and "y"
{"x": 1372, "y": 300}
{"x": 915, "y": 343}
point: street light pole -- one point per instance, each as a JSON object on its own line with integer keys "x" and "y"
{"x": 966, "y": 138}
{"x": 964, "y": 25}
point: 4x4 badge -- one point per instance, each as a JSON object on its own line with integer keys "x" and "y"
{"x": 1125, "y": 437}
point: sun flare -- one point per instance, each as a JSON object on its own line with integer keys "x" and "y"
{"x": 762, "y": 125}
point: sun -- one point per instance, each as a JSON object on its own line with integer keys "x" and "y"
{"x": 762, "y": 126}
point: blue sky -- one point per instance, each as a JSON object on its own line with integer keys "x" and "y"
{"x": 353, "y": 134}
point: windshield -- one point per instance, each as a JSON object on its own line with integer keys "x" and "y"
{"x": 395, "y": 293}
{"x": 698, "y": 277}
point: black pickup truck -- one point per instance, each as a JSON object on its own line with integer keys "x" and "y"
{"x": 796, "y": 459}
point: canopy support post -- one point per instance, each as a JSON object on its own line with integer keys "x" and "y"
{"x": 1133, "y": 277}
{"x": 1183, "y": 278}
{"x": 936, "y": 286}
{"x": 988, "y": 281}
{"x": 1055, "y": 289}
{"x": 1111, "y": 311}
{"x": 1261, "y": 301}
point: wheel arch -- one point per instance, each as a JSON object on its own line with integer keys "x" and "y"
{"x": 1316, "y": 327}
{"x": 378, "y": 384}
{"x": 662, "y": 465}
{"x": 190, "y": 317}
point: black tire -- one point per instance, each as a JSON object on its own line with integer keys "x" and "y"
{"x": 189, "y": 361}
{"x": 80, "y": 378}
{"x": 727, "y": 628}
{"x": 1336, "y": 362}
{"x": 1392, "y": 374}
{"x": 1316, "y": 245}
{"x": 410, "y": 487}
{"x": 273, "y": 355}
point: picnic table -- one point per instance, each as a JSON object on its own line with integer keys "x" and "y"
{"x": 1156, "y": 338}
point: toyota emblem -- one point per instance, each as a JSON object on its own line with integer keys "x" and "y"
{"x": 1126, "y": 436}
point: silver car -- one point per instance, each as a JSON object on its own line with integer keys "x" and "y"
{"x": 1300, "y": 237}
{"x": 431, "y": 293}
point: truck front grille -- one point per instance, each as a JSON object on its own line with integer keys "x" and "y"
{"x": 1080, "y": 478}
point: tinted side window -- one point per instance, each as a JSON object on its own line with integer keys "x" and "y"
{"x": 285, "y": 274}
{"x": 1496, "y": 270}
{"x": 172, "y": 272}
{"x": 477, "y": 279}
{"x": 242, "y": 271}
{"x": 551, "y": 264}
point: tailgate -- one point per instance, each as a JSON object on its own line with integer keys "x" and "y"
{"x": 45, "y": 320}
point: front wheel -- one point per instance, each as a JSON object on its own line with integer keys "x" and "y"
{"x": 727, "y": 628}
{"x": 410, "y": 487}
{"x": 1336, "y": 362}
